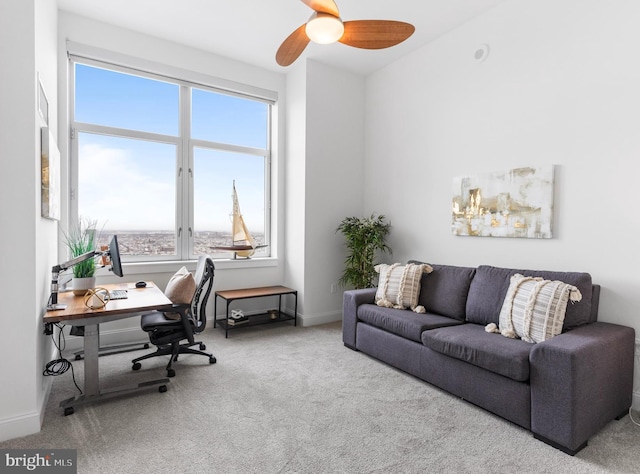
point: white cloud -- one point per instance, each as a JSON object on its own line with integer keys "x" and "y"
{"x": 118, "y": 192}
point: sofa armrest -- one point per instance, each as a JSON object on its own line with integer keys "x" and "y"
{"x": 580, "y": 381}
{"x": 351, "y": 300}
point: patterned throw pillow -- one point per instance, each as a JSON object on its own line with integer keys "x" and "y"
{"x": 180, "y": 290}
{"x": 399, "y": 285}
{"x": 534, "y": 308}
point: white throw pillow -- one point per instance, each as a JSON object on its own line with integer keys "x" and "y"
{"x": 399, "y": 285}
{"x": 534, "y": 308}
{"x": 180, "y": 290}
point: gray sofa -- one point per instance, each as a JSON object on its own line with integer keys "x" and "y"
{"x": 564, "y": 390}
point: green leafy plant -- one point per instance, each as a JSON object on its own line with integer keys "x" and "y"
{"x": 364, "y": 238}
{"x": 81, "y": 239}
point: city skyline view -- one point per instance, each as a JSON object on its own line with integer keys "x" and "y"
{"x": 164, "y": 243}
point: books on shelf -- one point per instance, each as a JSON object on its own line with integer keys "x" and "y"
{"x": 236, "y": 321}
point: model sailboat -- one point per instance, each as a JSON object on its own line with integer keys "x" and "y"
{"x": 242, "y": 244}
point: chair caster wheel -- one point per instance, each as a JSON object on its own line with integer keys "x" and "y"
{"x": 162, "y": 388}
{"x": 212, "y": 360}
{"x": 171, "y": 373}
{"x": 136, "y": 366}
{"x": 69, "y": 411}
{"x": 203, "y": 347}
{"x": 146, "y": 346}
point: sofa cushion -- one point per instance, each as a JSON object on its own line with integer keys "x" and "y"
{"x": 444, "y": 291}
{"x": 402, "y": 322}
{"x": 399, "y": 285}
{"x": 472, "y": 344}
{"x": 534, "y": 308}
{"x": 489, "y": 288}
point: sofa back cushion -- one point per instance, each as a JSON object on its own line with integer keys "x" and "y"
{"x": 403, "y": 322}
{"x": 444, "y": 291}
{"x": 490, "y": 284}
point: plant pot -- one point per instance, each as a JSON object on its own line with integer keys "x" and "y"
{"x": 81, "y": 285}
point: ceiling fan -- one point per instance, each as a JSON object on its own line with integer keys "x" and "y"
{"x": 325, "y": 26}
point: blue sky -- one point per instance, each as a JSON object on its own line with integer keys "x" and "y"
{"x": 129, "y": 184}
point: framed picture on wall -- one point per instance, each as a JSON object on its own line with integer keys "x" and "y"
{"x": 43, "y": 103}
{"x": 512, "y": 203}
{"x": 50, "y": 175}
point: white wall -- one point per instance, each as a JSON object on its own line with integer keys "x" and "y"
{"x": 295, "y": 172}
{"x": 325, "y": 152}
{"x": 27, "y": 47}
{"x": 333, "y": 185}
{"x": 560, "y": 86}
{"x": 46, "y": 31}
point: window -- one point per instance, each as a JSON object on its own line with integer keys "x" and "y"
{"x": 155, "y": 159}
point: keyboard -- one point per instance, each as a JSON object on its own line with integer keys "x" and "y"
{"x": 118, "y": 294}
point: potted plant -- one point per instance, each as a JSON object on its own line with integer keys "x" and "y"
{"x": 80, "y": 240}
{"x": 364, "y": 238}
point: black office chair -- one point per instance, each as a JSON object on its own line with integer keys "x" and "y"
{"x": 167, "y": 333}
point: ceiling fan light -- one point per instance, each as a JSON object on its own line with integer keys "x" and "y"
{"x": 324, "y": 29}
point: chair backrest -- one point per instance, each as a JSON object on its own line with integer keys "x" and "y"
{"x": 204, "y": 277}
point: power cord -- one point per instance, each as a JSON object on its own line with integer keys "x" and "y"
{"x": 632, "y": 420}
{"x": 60, "y": 365}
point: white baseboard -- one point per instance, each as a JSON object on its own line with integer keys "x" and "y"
{"x": 29, "y": 423}
{"x": 48, "y": 383}
{"x": 636, "y": 378}
{"x": 321, "y": 318}
{"x": 21, "y": 425}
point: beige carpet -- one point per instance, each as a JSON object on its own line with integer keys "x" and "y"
{"x": 286, "y": 399}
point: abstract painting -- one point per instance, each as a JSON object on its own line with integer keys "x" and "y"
{"x": 50, "y": 175}
{"x": 513, "y": 203}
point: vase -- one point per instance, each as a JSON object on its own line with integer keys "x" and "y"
{"x": 81, "y": 285}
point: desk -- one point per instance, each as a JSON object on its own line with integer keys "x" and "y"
{"x": 140, "y": 301}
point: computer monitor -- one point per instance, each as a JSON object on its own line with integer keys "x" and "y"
{"x": 114, "y": 255}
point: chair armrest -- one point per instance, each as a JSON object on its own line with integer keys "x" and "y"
{"x": 351, "y": 300}
{"x": 580, "y": 381}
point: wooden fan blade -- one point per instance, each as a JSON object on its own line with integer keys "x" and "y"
{"x": 375, "y": 34}
{"x": 323, "y": 6}
{"x": 292, "y": 47}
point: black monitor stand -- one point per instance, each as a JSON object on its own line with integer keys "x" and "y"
{"x": 55, "y": 273}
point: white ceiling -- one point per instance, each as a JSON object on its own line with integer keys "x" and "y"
{"x": 252, "y": 30}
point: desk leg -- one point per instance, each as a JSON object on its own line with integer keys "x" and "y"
{"x": 91, "y": 354}
{"x": 92, "y": 392}
{"x": 215, "y": 310}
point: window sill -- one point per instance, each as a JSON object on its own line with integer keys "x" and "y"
{"x": 140, "y": 268}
